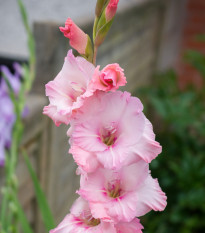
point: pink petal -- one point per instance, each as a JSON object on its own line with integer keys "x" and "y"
{"x": 123, "y": 208}
{"x": 150, "y": 197}
{"x": 134, "y": 175}
{"x": 129, "y": 227}
{"x": 58, "y": 118}
{"x": 147, "y": 148}
{"x": 98, "y": 211}
{"x": 109, "y": 79}
{"x": 92, "y": 188}
{"x": 86, "y": 160}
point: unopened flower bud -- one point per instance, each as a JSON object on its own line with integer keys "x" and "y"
{"x": 105, "y": 21}
{"x": 78, "y": 39}
{"x": 109, "y": 79}
{"x": 111, "y": 9}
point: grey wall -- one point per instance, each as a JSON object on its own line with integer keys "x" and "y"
{"x": 172, "y": 27}
{"x": 12, "y": 34}
{"x": 132, "y": 42}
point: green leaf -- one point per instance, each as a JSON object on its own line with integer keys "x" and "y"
{"x": 31, "y": 47}
{"x": 41, "y": 198}
{"x": 24, "y": 15}
{"x": 200, "y": 37}
{"x": 24, "y": 222}
{"x": 197, "y": 59}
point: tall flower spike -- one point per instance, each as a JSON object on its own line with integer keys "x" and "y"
{"x": 78, "y": 39}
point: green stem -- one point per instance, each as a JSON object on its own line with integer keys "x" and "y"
{"x": 14, "y": 213}
{"x": 95, "y": 28}
{"x": 3, "y": 211}
{"x": 10, "y": 169}
{"x": 95, "y": 55}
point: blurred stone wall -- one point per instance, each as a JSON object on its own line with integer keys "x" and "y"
{"x": 132, "y": 42}
{"x": 13, "y": 38}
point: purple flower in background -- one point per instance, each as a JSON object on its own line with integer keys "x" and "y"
{"x": 7, "y": 115}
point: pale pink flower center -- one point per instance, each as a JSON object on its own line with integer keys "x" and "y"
{"x": 77, "y": 90}
{"x": 108, "y": 135}
{"x": 114, "y": 190}
{"x": 87, "y": 219}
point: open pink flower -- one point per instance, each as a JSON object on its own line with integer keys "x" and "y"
{"x": 129, "y": 227}
{"x": 80, "y": 220}
{"x": 109, "y": 79}
{"x": 112, "y": 127}
{"x": 69, "y": 89}
{"x": 78, "y": 39}
{"x": 122, "y": 195}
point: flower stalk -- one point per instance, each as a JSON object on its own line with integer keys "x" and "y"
{"x": 9, "y": 216}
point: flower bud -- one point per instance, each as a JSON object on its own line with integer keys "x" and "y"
{"x": 111, "y": 9}
{"x": 105, "y": 21}
{"x": 78, "y": 39}
{"x": 109, "y": 79}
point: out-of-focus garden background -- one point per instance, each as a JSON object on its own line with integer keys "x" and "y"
{"x": 161, "y": 46}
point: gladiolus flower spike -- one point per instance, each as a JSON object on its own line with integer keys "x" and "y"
{"x": 111, "y": 140}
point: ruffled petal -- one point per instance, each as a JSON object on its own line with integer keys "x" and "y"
{"x": 150, "y": 196}
{"x": 86, "y": 160}
{"x": 147, "y": 148}
{"x": 129, "y": 227}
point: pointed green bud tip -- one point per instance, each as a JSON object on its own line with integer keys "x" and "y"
{"x": 99, "y": 7}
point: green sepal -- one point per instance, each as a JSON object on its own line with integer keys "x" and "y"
{"x": 102, "y": 32}
{"x": 99, "y": 7}
{"x": 89, "y": 50}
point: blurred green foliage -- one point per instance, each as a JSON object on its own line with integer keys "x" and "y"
{"x": 179, "y": 122}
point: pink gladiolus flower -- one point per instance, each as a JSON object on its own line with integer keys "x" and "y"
{"x": 80, "y": 220}
{"x": 130, "y": 227}
{"x": 78, "y": 39}
{"x": 111, "y": 10}
{"x": 69, "y": 89}
{"x": 109, "y": 79}
{"x": 112, "y": 127}
{"x": 122, "y": 195}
